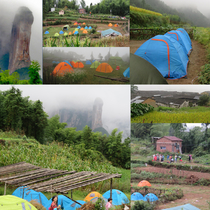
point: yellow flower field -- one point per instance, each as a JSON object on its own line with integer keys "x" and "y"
{"x": 136, "y": 9}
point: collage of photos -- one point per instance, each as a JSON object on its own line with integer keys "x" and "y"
{"x": 104, "y": 104}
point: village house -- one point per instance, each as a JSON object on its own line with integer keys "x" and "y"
{"x": 81, "y": 11}
{"x": 169, "y": 144}
{"x": 61, "y": 12}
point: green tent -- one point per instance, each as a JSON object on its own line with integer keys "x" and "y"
{"x": 65, "y": 34}
{"x": 76, "y": 29}
{"x": 10, "y": 202}
{"x": 56, "y": 34}
{"x": 66, "y": 27}
{"x": 143, "y": 72}
{"x": 95, "y": 64}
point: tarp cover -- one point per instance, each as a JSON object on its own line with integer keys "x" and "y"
{"x": 184, "y": 207}
{"x": 110, "y": 32}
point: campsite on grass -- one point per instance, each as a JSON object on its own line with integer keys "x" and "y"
{"x": 174, "y": 40}
{"x": 73, "y": 148}
{"x": 86, "y": 66}
{"x": 165, "y": 105}
{"x": 170, "y": 166}
{"x": 68, "y": 24}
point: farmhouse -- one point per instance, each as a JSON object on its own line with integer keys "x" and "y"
{"x": 61, "y": 12}
{"x": 169, "y": 143}
{"x": 81, "y": 11}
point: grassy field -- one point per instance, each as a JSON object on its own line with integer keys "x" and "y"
{"x": 85, "y": 75}
{"x": 187, "y": 115}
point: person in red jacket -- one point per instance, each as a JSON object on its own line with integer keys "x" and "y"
{"x": 54, "y": 203}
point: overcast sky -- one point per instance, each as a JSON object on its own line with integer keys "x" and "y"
{"x": 86, "y": 51}
{"x": 202, "y": 5}
{"x": 179, "y": 88}
{"x": 116, "y": 99}
{"x": 8, "y": 10}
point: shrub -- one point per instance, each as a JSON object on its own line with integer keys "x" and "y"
{"x": 204, "y": 100}
{"x": 142, "y": 205}
{"x": 204, "y": 77}
{"x": 140, "y": 109}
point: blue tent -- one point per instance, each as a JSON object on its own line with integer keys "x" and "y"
{"x": 75, "y": 205}
{"x": 68, "y": 63}
{"x": 86, "y": 27}
{"x": 166, "y": 54}
{"x": 93, "y": 61}
{"x": 151, "y": 197}
{"x": 88, "y": 62}
{"x": 61, "y": 32}
{"x": 57, "y": 62}
{"x": 138, "y": 197}
{"x": 110, "y": 31}
{"x": 118, "y": 197}
{"x": 19, "y": 192}
{"x": 38, "y": 196}
{"x": 79, "y": 27}
{"x": 126, "y": 73}
{"x": 46, "y": 32}
{"x": 90, "y": 27}
{"x": 182, "y": 39}
{"x": 185, "y": 33}
{"x": 184, "y": 207}
{"x": 76, "y": 32}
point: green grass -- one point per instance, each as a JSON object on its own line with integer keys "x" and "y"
{"x": 186, "y": 114}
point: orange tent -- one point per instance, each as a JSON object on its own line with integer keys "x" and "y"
{"x": 116, "y": 25}
{"x": 84, "y": 23}
{"x": 105, "y": 68}
{"x": 75, "y": 23}
{"x": 72, "y": 63}
{"x": 144, "y": 183}
{"x": 110, "y": 25}
{"x": 82, "y": 29}
{"x": 62, "y": 68}
{"x": 85, "y": 32}
{"x": 92, "y": 195}
{"x": 78, "y": 65}
{"x": 73, "y": 31}
{"x": 70, "y": 33}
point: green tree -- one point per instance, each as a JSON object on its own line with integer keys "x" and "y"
{"x": 204, "y": 100}
{"x": 83, "y": 4}
{"x": 34, "y": 69}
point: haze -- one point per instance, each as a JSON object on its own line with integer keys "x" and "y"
{"x": 202, "y": 5}
{"x": 116, "y": 100}
{"x": 8, "y": 10}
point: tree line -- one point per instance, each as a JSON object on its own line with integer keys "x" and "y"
{"x": 27, "y": 117}
{"x": 196, "y": 139}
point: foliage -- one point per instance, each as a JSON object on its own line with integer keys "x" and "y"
{"x": 142, "y": 205}
{"x": 140, "y": 109}
{"x": 204, "y": 99}
{"x": 144, "y": 11}
{"x": 100, "y": 204}
{"x": 34, "y": 69}
{"x": 6, "y": 78}
{"x": 204, "y": 76}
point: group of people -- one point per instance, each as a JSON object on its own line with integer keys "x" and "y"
{"x": 55, "y": 206}
{"x": 158, "y": 157}
{"x": 170, "y": 158}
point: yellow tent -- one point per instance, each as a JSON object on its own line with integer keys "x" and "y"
{"x": 92, "y": 195}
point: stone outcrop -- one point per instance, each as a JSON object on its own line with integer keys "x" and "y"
{"x": 97, "y": 114}
{"x": 19, "y": 56}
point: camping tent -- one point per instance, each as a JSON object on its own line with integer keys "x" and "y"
{"x": 105, "y": 68}
{"x": 144, "y": 183}
{"x": 182, "y": 39}
{"x": 95, "y": 64}
{"x": 84, "y": 23}
{"x": 56, "y": 34}
{"x": 75, "y": 205}
{"x": 151, "y": 197}
{"x": 46, "y": 32}
{"x": 184, "y": 207}
{"x": 10, "y": 202}
{"x": 62, "y": 68}
{"x": 38, "y": 196}
{"x": 66, "y": 27}
{"x": 61, "y": 32}
{"x": 88, "y": 62}
{"x": 117, "y": 68}
{"x": 79, "y": 27}
{"x": 90, "y": 27}
{"x": 20, "y": 192}
{"x": 76, "y": 29}
{"x": 166, "y": 54}
{"x": 86, "y": 27}
{"x": 144, "y": 72}
{"x": 110, "y": 32}
{"x": 126, "y": 73}
{"x": 110, "y": 25}
{"x": 92, "y": 195}
{"x": 65, "y": 34}
{"x": 115, "y": 25}
{"x": 85, "y": 32}
{"x": 68, "y": 62}
{"x": 185, "y": 33}
{"x": 75, "y": 23}
{"x": 82, "y": 29}
{"x": 76, "y": 32}
{"x": 78, "y": 65}
{"x": 56, "y": 62}
{"x": 137, "y": 197}
{"x": 70, "y": 33}
{"x": 118, "y": 197}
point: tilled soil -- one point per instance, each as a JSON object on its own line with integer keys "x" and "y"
{"x": 174, "y": 171}
{"x": 197, "y": 59}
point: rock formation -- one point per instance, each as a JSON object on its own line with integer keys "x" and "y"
{"x": 19, "y": 56}
{"x": 97, "y": 114}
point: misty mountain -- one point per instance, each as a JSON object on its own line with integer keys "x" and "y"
{"x": 187, "y": 14}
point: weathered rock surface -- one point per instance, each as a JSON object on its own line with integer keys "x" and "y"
{"x": 19, "y": 56}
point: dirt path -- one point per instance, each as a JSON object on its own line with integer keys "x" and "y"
{"x": 195, "y": 195}
{"x": 175, "y": 172}
{"x": 197, "y": 59}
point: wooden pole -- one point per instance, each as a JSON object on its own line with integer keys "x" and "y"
{"x": 71, "y": 194}
{"x": 5, "y": 188}
{"x": 111, "y": 188}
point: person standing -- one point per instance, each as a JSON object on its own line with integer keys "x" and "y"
{"x": 54, "y": 204}
{"x": 167, "y": 157}
{"x": 175, "y": 158}
{"x": 109, "y": 204}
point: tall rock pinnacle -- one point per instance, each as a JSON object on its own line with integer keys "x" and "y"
{"x": 20, "y": 40}
{"x": 97, "y": 113}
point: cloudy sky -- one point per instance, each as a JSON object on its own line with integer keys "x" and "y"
{"x": 179, "y": 88}
{"x": 8, "y": 10}
{"x": 202, "y": 5}
{"x": 86, "y": 51}
{"x": 116, "y": 99}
